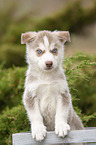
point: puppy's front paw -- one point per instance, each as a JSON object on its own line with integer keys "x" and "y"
{"x": 61, "y": 129}
{"x": 38, "y": 132}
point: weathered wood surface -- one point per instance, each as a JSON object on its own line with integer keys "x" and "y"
{"x": 74, "y": 136}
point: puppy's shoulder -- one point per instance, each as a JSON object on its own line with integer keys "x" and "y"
{"x": 30, "y": 78}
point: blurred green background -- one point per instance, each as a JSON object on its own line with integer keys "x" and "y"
{"x": 17, "y": 17}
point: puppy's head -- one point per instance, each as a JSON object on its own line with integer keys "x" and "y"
{"x": 45, "y": 49}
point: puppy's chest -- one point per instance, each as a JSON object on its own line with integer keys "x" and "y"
{"x": 47, "y": 94}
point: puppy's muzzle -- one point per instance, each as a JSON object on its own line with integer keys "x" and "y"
{"x": 49, "y": 64}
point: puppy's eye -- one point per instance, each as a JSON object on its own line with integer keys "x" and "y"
{"x": 54, "y": 50}
{"x": 39, "y": 51}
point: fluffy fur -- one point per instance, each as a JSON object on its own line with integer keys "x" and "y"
{"x": 46, "y": 97}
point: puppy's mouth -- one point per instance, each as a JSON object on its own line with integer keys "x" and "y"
{"x": 48, "y": 68}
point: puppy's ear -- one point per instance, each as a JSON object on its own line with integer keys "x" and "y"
{"x": 27, "y": 37}
{"x": 63, "y": 36}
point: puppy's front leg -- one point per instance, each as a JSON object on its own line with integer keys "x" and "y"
{"x": 62, "y": 111}
{"x": 37, "y": 126}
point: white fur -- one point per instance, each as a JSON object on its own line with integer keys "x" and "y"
{"x": 47, "y": 90}
{"x": 43, "y": 94}
{"x": 46, "y": 42}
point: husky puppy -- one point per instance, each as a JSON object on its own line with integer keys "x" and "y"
{"x": 46, "y": 97}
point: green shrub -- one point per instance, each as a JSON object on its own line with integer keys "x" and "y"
{"x": 11, "y": 87}
{"x": 12, "y": 121}
{"x": 81, "y": 74}
{"x": 12, "y": 55}
{"x": 80, "y": 70}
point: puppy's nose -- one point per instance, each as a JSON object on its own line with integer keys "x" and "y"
{"x": 49, "y": 63}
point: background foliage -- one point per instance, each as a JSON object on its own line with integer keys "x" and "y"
{"x": 72, "y": 18}
{"x": 81, "y": 83}
{"x": 80, "y": 68}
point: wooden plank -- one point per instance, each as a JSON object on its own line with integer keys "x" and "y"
{"x": 74, "y": 136}
{"x": 91, "y": 143}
